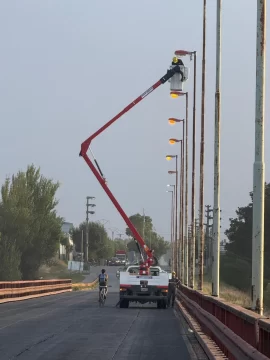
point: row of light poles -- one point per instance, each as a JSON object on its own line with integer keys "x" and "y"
{"x": 184, "y": 248}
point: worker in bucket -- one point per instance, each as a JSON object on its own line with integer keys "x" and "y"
{"x": 173, "y": 283}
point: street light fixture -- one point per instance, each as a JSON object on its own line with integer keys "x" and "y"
{"x": 174, "y": 94}
{"x": 170, "y": 157}
{"x": 173, "y": 121}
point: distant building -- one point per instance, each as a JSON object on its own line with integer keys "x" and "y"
{"x": 66, "y": 227}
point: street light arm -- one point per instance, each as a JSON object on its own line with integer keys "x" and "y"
{"x": 150, "y": 259}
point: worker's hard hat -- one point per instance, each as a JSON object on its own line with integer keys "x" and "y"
{"x": 173, "y": 273}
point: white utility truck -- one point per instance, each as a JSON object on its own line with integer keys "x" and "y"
{"x": 152, "y": 288}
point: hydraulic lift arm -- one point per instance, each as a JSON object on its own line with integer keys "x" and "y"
{"x": 150, "y": 260}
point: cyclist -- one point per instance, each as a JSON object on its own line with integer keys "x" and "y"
{"x": 173, "y": 283}
{"x": 103, "y": 281}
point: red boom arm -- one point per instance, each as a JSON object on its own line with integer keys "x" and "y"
{"x": 86, "y": 144}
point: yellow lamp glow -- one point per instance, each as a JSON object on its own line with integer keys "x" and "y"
{"x": 172, "y": 141}
{"x": 171, "y": 121}
{"x": 168, "y": 158}
{"x": 174, "y": 95}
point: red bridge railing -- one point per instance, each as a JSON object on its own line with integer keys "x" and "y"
{"x": 247, "y": 325}
{"x": 19, "y": 290}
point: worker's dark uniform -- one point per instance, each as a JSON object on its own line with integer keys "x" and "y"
{"x": 173, "y": 282}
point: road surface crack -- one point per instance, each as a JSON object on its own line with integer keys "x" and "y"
{"x": 126, "y": 334}
{"x": 31, "y": 346}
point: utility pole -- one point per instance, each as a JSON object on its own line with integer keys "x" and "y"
{"x": 197, "y": 236}
{"x": 88, "y": 205}
{"x": 208, "y": 216}
{"x": 186, "y": 200}
{"x": 216, "y": 210}
{"x": 82, "y": 251}
{"x": 259, "y": 165}
{"x": 189, "y": 234}
{"x": 201, "y": 208}
{"x": 191, "y": 260}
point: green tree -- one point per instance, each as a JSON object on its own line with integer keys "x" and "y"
{"x": 151, "y": 238}
{"x": 239, "y": 247}
{"x": 28, "y": 218}
{"x": 119, "y": 244}
{"x": 142, "y": 224}
{"x": 100, "y": 246}
{"x": 10, "y": 259}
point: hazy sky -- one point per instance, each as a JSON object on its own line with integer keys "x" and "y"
{"x": 67, "y": 67}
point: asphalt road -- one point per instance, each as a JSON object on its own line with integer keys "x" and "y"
{"x": 72, "y": 326}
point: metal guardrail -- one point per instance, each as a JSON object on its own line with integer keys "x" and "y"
{"x": 251, "y": 330}
{"x": 21, "y": 290}
{"x": 264, "y": 337}
{"x": 85, "y": 285}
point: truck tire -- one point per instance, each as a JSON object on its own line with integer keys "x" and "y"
{"x": 124, "y": 304}
{"x": 161, "y": 304}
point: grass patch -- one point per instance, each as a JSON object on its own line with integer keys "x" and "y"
{"x": 59, "y": 270}
{"x": 84, "y": 286}
{"x": 236, "y": 296}
{"x": 230, "y": 294}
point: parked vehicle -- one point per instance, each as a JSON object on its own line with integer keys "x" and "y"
{"x": 143, "y": 289}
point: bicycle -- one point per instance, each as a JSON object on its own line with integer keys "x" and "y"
{"x": 102, "y": 295}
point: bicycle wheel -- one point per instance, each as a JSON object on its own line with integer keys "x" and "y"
{"x": 102, "y": 298}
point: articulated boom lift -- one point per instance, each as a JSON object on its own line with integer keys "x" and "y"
{"x": 177, "y": 74}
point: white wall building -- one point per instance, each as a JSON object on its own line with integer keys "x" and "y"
{"x": 66, "y": 227}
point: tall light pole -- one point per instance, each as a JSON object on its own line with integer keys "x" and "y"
{"x": 201, "y": 200}
{"x": 172, "y": 216}
{"x": 216, "y": 209}
{"x": 186, "y": 237}
{"x": 169, "y": 157}
{"x": 259, "y": 166}
{"x": 181, "y": 212}
{"x": 173, "y": 227}
{"x": 88, "y": 198}
{"x": 192, "y": 241}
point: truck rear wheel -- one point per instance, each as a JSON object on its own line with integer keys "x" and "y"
{"x": 161, "y": 304}
{"x": 124, "y": 304}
